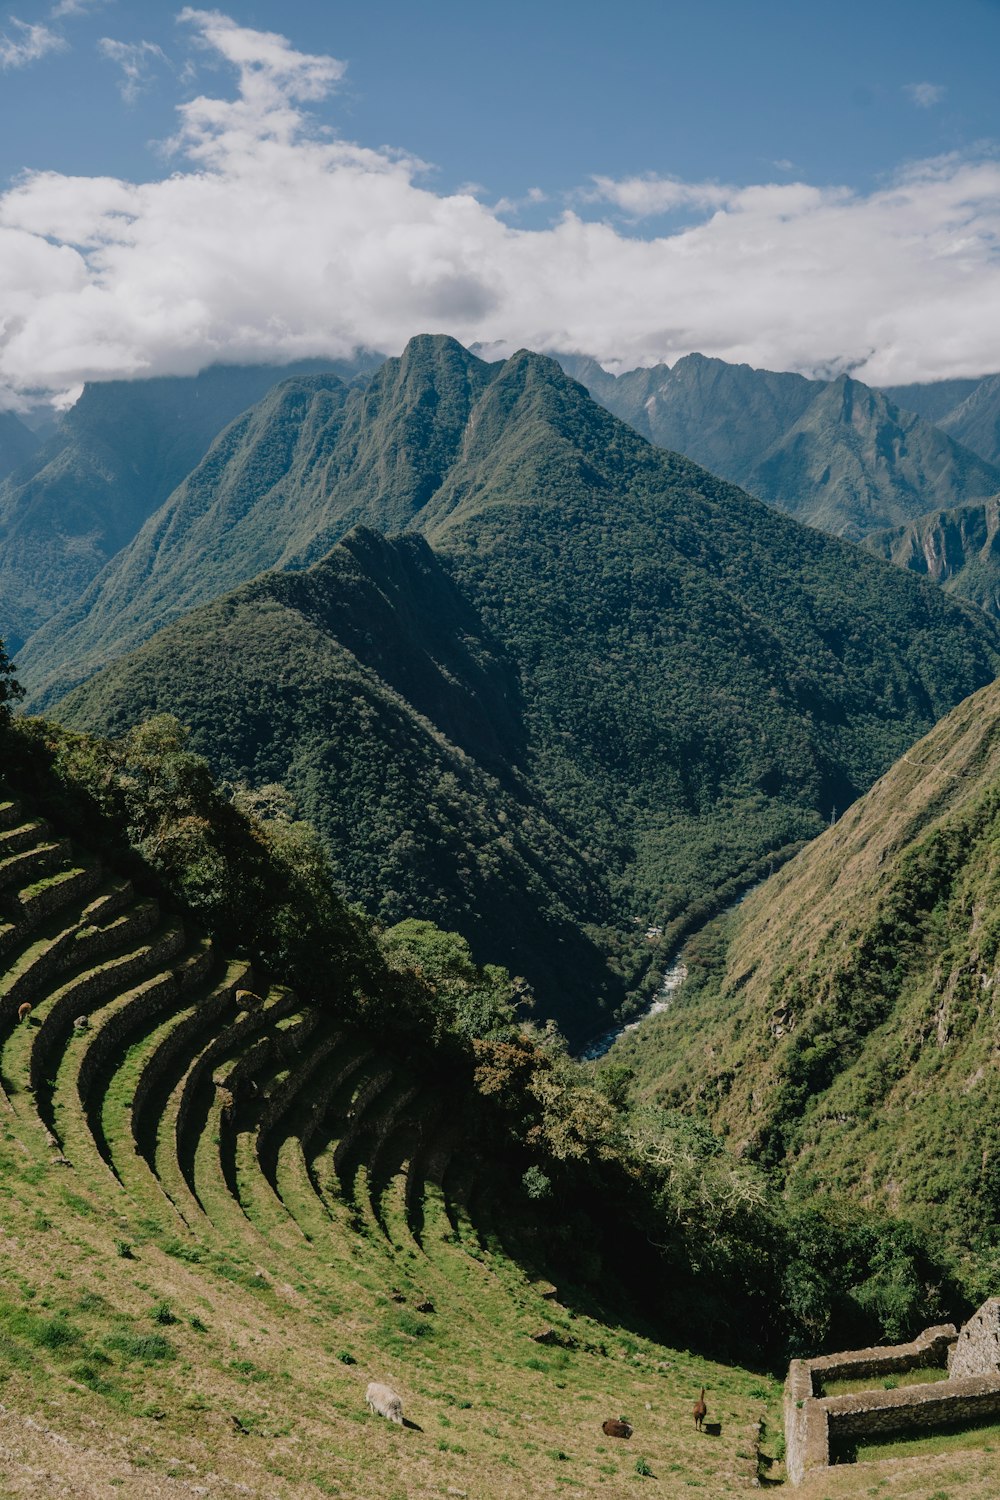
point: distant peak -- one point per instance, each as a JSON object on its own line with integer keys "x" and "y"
{"x": 439, "y": 347}
{"x": 544, "y": 363}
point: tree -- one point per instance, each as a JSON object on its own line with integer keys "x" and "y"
{"x": 10, "y": 688}
{"x": 471, "y": 1001}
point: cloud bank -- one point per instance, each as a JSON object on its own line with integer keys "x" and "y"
{"x": 273, "y": 240}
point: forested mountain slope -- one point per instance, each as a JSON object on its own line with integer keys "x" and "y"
{"x": 116, "y": 456}
{"x": 278, "y": 487}
{"x": 838, "y": 455}
{"x": 17, "y": 443}
{"x": 368, "y": 687}
{"x": 842, "y": 1025}
{"x": 692, "y": 681}
{"x": 959, "y": 549}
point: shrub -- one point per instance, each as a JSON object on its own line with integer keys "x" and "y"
{"x": 147, "y": 1348}
{"x": 536, "y": 1184}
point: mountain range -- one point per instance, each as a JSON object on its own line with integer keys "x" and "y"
{"x": 555, "y": 700}
{"x": 683, "y": 681}
{"x": 68, "y": 504}
{"x": 837, "y": 454}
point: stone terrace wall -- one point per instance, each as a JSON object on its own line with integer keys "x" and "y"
{"x": 949, "y": 1403}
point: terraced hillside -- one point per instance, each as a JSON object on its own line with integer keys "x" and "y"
{"x": 223, "y": 1213}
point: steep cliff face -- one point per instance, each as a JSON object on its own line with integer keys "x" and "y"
{"x": 959, "y": 549}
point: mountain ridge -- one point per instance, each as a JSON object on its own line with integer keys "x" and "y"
{"x": 84, "y": 492}
{"x": 368, "y": 688}
{"x": 836, "y": 454}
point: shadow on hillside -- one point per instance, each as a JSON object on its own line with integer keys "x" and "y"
{"x": 603, "y": 1272}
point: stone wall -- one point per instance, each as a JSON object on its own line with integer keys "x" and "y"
{"x": 807, "y": 1415}
{"x": 977, "y": 1351}
{"x": 820, "y": 1428}
{"x": 928, "y": 1350}
{"x": 887, "y": 1413}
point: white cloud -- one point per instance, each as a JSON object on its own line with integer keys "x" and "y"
{"x": 272, "y": 239}
{"x": 926, "y": 95}
{"x": 66, "y": 8}
{"x": 135, "y": 59}
{"x": 270, "y": 68}
{"x": 644, "y": 197}
{"x": 510, "y": 206}
{"x": 27, "y": 43}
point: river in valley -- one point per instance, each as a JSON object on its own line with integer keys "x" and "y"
{"x": 673, "y": 977}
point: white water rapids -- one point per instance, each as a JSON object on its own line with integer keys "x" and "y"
{"x": 673, "y": 977}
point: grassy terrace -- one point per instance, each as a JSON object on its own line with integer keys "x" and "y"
{"x": 926, "y": 1376}
{"x": 984, "y": 1435}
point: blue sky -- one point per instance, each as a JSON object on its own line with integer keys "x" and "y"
{"x": 798, "y": 185}
{"x": 546, "y": 92}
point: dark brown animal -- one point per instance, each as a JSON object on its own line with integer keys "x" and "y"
{"x": 615, "y": 1428}
{"x": 700, "y": 1410}
{"x": 24, "y": 1010}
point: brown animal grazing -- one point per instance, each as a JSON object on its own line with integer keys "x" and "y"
{"x": 700, "y": 1410}
{"x": 614, "y": 1428}
{"x": 24, "y": 1010}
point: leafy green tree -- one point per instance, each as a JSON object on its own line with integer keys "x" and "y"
{"x": 10, "y": 688}
{"x": 473, "y": 1001}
